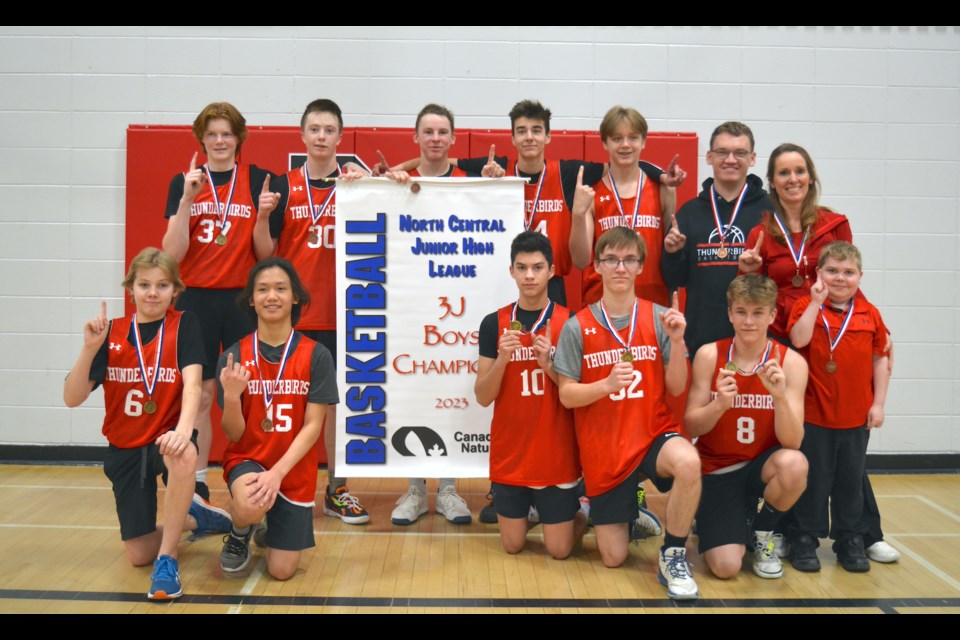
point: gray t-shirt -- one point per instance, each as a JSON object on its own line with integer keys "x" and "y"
{"x": 568, "y": 359}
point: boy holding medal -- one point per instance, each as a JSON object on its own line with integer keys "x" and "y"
{"x": 746, "y": 409}
{"x": 516, "y": 375}
{"x": 275, "y": 385}
{"x": 843, "y": 338}
{"x": 616, "y": 359}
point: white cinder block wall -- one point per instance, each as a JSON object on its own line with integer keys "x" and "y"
{"x": 879, "y": 108}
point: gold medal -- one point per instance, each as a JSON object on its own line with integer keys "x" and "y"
{"x": 731, "y": 366}
{"x": 722, "y": 252}
{"x": 150, "y": 406}
{"x": 831, "y": 366}
{"x": 516, "y": 326}
{"x": 267, "y": 425}
{"x": 415, "y": 187}
{"x": 221, "y": 240}
{"x": 313, "y": 238}
{"x": 797, "y": 281}
{"x": 626, "y": 356}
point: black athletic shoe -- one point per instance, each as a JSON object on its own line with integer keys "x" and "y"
{"x": 803, "y": 554}
{"x": 851, "y": 554}
{"x": 203, "y": 490}
{"x": 488, "y": 515}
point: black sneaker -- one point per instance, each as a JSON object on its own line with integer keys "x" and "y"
{"x": 202, "y": 490}
{"x": 851, "y": 554}
{"x": 488, "y": 515}
{"x": 803, "y": 554}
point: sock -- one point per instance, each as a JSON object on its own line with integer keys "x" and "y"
{"x": 446, "y": 482}
{"x": 201, "y": 476}
{"x": 767, "y": 518}
{"x": 419, "y": 483}
{"x": 240, "y": 533}
{"x": 334, "y": 483}
{"x": 670, "y": 540}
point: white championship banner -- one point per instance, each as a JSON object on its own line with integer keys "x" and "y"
{"x": 418, "y": 267}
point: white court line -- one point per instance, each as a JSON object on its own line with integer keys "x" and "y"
{"x": 249, "y": 585}
{"x": 414, "y": 534}
{"x": 923, "y": 563}
{"x": 927, "y": 501}
{"x": 55, "y": 486}
{"x": 927, "y": 535}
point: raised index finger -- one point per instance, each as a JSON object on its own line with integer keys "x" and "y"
{"x": 266, "y": 184}
{"x": 580, "y": 177}
{"x": 672, "y": 167}
{"x": 193, "y": 161}
{"x": 103, "y": 308}
{"x": 382, "y": 159}
{"x": 759, "y": 241}
{"x": 493, "y": 153}
{"x": 676, "y": 302}
{"x": 229, "y": 361}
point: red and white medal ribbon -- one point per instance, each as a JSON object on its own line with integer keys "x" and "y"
{"x": 613, "y": 331}
{"x": 268, "y": 392}
{"x": 541, "y": 321}
{"x": 796, "y": 254}
{"x": 636, "y": 205}
{"x": 721, "y": 230}
{"x": 843, "y": 327}
{"x": 315, "y": 214}
{"x": 148, "y": 383}
{"x": 528, "y": 220}
{"x": 222, "y": 211}
{"x": 763, "y": 358}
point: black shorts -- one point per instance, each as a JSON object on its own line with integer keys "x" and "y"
{"x": 222, "y": 323}
{"x": 722, "y": 515}
{"x": 133, "y": 473}
{"x": 326, "y": 338}
{"x": 289, "y": 526}
{"x": 621, "y": 504}
{"x": 555, "y": 505}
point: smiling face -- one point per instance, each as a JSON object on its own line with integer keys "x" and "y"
{"x": 153, "y": 291}
{"x": 321, "y": 134}
{"x": 731, "y": 158}
{"x": 750, "y": 320}
{"x": 624, "y": 145}
{"x": 530, "y": 137}
{"x": 220, "y": 144}
{"x": 842, "y": 278}
{"x": 273, "y": 296}
{"x": 791, "y": 179}
{"x": 435, "y": 136}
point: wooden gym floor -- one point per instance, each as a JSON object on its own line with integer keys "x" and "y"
{"x": 61, "y": 553}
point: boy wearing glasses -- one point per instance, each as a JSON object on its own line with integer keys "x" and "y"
{"x": 614, "y": 367}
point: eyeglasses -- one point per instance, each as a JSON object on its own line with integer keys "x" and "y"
{"x": 630, "y": 264}
{"x": 739, "y": 154}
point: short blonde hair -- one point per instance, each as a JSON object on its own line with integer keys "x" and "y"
{"x": 616, "y": 116}
{"x": 153, "y": 257}
{"x": 752, "y": 288}
{"x": 840, "y": 251}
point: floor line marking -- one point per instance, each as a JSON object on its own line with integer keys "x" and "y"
{"x": 924, "y": 563}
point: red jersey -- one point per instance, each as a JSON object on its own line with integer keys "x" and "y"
{"x": 310, "y": 246}
{"x": 841, "y": 400}
{"x": 455, "y": 172}
{"x": 288, "y": 410}
{"x": 746, "y": 429}
{"x": 209, "y": 265}
{"x": 551, "y": 217}
{"x": 532, "y": 441}
{"x": 778, "y": 264}
{"x": 649, "y": 284}
{"x": 615, "y": 432}
{"x": 126, "y": 424}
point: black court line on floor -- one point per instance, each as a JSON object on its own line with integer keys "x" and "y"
{"x": 885, "y": 605}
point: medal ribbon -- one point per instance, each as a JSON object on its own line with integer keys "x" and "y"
{"x": 763, "y": 358}
{"x": 268, "y": 393}
{"x": 614, "y": 332}
{"x": 636, "y": 205}
{"x": 149, "y": 384}
{"x": 796, "y": 254}
{"x": 542, "y": 320}
{"x": 315, "y": 215}
{"x": 843, "y": 327}
{"x": 222, "y": 216}
{"x": 527, "y": 222}
{"x": 733, "y": 216}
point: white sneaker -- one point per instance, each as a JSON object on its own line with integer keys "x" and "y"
{"x": 452, "y": 506}
{"x": 882, "y": 552}
{"x": 410, "y": 507}
{"x": 781, "y": 548}
{"x": 674, "y": 574}
{"x": 585, "y": 507}
{"x": 646, "y": 525}
{"x": 766, "y": 564}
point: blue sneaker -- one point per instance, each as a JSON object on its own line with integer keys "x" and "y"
{"x": 165, "y": 581}
{"x": 210, "y": 519}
